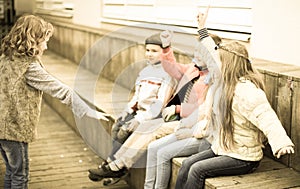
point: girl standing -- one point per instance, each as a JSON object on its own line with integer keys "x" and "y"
{"x": 23, "y": 80}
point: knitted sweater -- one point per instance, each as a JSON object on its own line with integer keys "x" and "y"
{"x": 20, "y": 103}
{"x": 22, "y": 83}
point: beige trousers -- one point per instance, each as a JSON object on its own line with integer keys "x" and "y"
{"x": 137, "y": 143}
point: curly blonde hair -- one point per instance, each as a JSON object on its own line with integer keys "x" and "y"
{"x": 25, "y": 37}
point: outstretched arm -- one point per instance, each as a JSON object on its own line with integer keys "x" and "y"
{"x": 40, "y": 79}
{"x": 257, "y": 109}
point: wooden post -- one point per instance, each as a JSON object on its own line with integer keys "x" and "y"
{"x": 295, "y": 119}
{"x": 279, "y": 93}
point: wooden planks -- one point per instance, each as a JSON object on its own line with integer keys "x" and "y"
{"x": 275, "y": 179}
{"x": 295, "y": 122}
{"x": 270, "y": 174}
{"x": 60, "y": 158}
{"x": 282, "y": 89}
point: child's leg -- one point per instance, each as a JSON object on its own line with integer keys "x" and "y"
{"x": 216, "y": 166}
{"x": 187, "y": 164}
{"x": 116, "y": 141}
{"x": 151, "y": 166}
{"x": 180, "y": 148}
{"x": 136, "y": 145}
{"x": 15, "y": 155}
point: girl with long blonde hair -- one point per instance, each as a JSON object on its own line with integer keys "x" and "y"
{"x": 236, "y": 67}
{"x": 241, "y": 120}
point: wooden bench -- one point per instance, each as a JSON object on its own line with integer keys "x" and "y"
{"x": 96, "y": 91}
{"x": 73, "y": 41}
{"x": 270, "y": 174}
{"x": 102, "y": 98}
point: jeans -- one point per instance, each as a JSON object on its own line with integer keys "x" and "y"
{"x": 116, "y": 145}
{"x": 15, "y": 156}
{"x": 160, "y": 154}
{"x": 117, "y": 142}
{"x": 198, "y": 167}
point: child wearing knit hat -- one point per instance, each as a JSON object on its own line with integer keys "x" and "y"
{"x": 153, "y": 89}
{"x": 156, "y": 40}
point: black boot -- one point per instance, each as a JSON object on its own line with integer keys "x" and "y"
{"x": 106, "y": 172}
{"x": 94, "y": 177}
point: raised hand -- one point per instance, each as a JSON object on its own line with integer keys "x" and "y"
{"x": 166, "y": 37}
{"x": 201, "y": 18}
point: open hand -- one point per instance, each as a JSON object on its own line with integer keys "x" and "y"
{"x": 97, "y": 115}
{"x": 132, "y": 125}
{"x": 183, "y": 133}
{"x": 166, "y": 37}
{"x": 285, "y": 150}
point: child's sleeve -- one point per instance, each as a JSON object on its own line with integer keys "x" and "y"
{"x": 40, "y": 79}
{"x": 201, "y": 112}
{"x": 252, "y": 103}
{"x": 168, "y": 61}
{"x": 210, "y": 54}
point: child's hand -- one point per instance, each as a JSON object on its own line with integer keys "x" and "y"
{"x": 201, "y": 18}
{"x": 201, "y": 128}
{"x": 97, "y": 115}
{"x": 166, "y": 37}
{"x": 183, "y": 133}
{"x": 122, "y": 116}
{"x": 133, "y": 124}
{"x": 168, "y": 112}
{"x": 285, "y": 150}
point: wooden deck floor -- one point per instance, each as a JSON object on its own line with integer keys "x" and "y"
{"x": 60, "y": 158}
